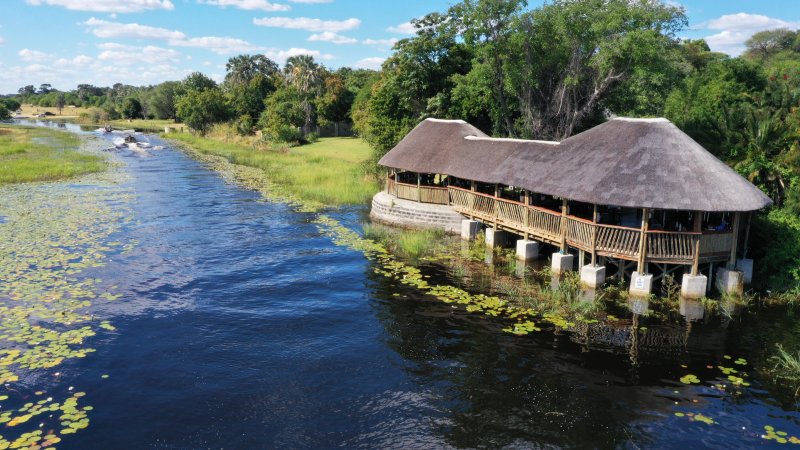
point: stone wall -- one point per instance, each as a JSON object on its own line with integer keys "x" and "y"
{"x": 390, "y": 210}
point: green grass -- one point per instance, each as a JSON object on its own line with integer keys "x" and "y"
{"x": 410, "y": 244}
{"x": 328, "y": 172}
{"x": 38, "y": 154}
{"x": 787, "y": 367}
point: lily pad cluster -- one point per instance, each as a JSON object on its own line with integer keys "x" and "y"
{"x": 50, "y": 236}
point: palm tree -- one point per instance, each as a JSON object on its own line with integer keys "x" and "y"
{"x": 307, "y": 77}
{"x": 243, "y": 68}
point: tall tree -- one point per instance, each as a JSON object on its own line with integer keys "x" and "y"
{"x": 306, "y": 76}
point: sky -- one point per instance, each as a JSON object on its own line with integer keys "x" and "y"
{"x": 141, "y": 42}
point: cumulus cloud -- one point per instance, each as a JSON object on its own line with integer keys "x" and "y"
{"x": 106, "y": 29}
{"x": 132, "y": 56}
{"x": 218, "y": 45}
{"x": 735, "y": 29}
{"x": 281, "y": 55}
{"x": 249, "y": 5}
{"x": 381, "y": 42}
{"x": 304, "y": 23}
{"x": 109, "y": 6}
{"x": 403, "y": 28}
{"x": 330, "y": 36}
{"x": 373, "y": 63}
{"x": 29, "y": 55}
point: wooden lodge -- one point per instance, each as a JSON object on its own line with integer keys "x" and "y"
{"x": 630, "y": 193}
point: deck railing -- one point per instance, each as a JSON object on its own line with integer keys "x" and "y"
{"x": 424, "y": 194}
{"x": 605, "y": 240}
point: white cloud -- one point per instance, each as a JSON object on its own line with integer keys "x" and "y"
{"x": 110, "y": 6}
{"x": 381, "y": 42}
{"x": 79, "y": 61}
{"x": 132, "y": 56}
{"x": 105, "y": 29}
{"x": 373, "y": 63}
{"x": 218, "y": 45}
{"x": 281, "y": 55}
{"x": 304, "y": 23}
{"x": 403, "y": 28}
{"x": 2, "y": 41}
{"x": 736, "y": 29}
{"x": 249, "y": 5}
{"x": 330, "y": 36}
{"x": 33, "y": 55}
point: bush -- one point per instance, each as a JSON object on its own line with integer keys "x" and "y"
{"x": 284, "y": 133}
{"x": 244, "y": 125}
{"x": 311, "y": 138}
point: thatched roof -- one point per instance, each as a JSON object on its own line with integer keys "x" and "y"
{"x": 624, "y": 162}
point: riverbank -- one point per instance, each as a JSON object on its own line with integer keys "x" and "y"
{"x": 329, "y": 172}
{"x": 38, "y": 154}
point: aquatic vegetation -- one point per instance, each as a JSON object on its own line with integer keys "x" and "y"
{"x": 690, "y": 379}
{"x": 50, "y": 237}
{"x": 38, "y": 154}
{"x": 786, "y": 367}
{"x": 409, "y": 244}
{"x": 781, "y": 437}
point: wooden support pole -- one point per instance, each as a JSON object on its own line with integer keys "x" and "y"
{"x": 419, "y": 187}
{"x": 473, "y": 186}
{"x": 746, "y": 235}
{"x": 564, "y": 212}
{"x": 395, "y": 184}
{"x": 697, "y": 227}
{"x": 737, "y": 219}
{"x": 642, "y": 266}
{"x": 594, "y": 237}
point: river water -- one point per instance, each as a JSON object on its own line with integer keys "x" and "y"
{"x": 241, "y": 326}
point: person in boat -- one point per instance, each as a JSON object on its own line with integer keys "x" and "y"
{"x": 130, "y": 139}
{"x": 108, "y": 129}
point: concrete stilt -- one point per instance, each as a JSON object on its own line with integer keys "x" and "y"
{"x": 593, "y": 276}
{"x": 563, "y": 262}
{"x": 469, "y": 229}
{"x": 527, "y": 250}
{"x": 746, "y": 267}
{"x": 693, "y": 286}
{"x": 730, "y": 281}
{"x": 641, "y": 284}
{"x": 497, "y": 238}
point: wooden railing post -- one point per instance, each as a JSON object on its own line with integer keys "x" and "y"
{"x": 696, "y": 256}
{"x": 642, "y": 265}
{"x": 419, "y": 187}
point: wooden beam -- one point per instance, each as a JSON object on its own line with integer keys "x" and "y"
{"x": 746, "y": 235}
{"x": 419, "y": 187}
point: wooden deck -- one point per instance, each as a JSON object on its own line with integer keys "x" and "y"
{"x": 664, "y": 247}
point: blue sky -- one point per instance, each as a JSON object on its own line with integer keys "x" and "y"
{"x": 66, "y": 42}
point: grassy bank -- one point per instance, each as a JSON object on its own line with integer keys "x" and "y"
{"x": 327, "y": 172}
{"x": 38, "y": 154}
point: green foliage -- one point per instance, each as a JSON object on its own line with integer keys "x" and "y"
{"x": 196, "y": 81}
{"x": 775, "y": 246}
{"x": 163, "y": 98}
{"x": 131, "y": 108}
{"x": 201, "y": 109}
{"x": 283, "y": 116}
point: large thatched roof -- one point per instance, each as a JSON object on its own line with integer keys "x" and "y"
{"x": 624, "y": 162}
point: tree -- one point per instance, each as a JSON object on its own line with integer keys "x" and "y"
{"x": 242, "y": 69}
{"x": 306, "y": 76}
{"x": 27, "y": 90}
{"x": 196, "y": 81}
{"x": 45, "y": 89}
{"x": 163, "y": 98}
{"x": 131, "y": 108}
{"x": 766, "y": 43}
{"x": 283, "y": 115}
{"x": 200, "y": 109}
{"x": 60, "y": 102}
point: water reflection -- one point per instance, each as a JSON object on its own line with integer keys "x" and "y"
{"x": 692, "y": 309}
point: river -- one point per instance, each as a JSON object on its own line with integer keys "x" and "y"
{"x": 240, "y": 325}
